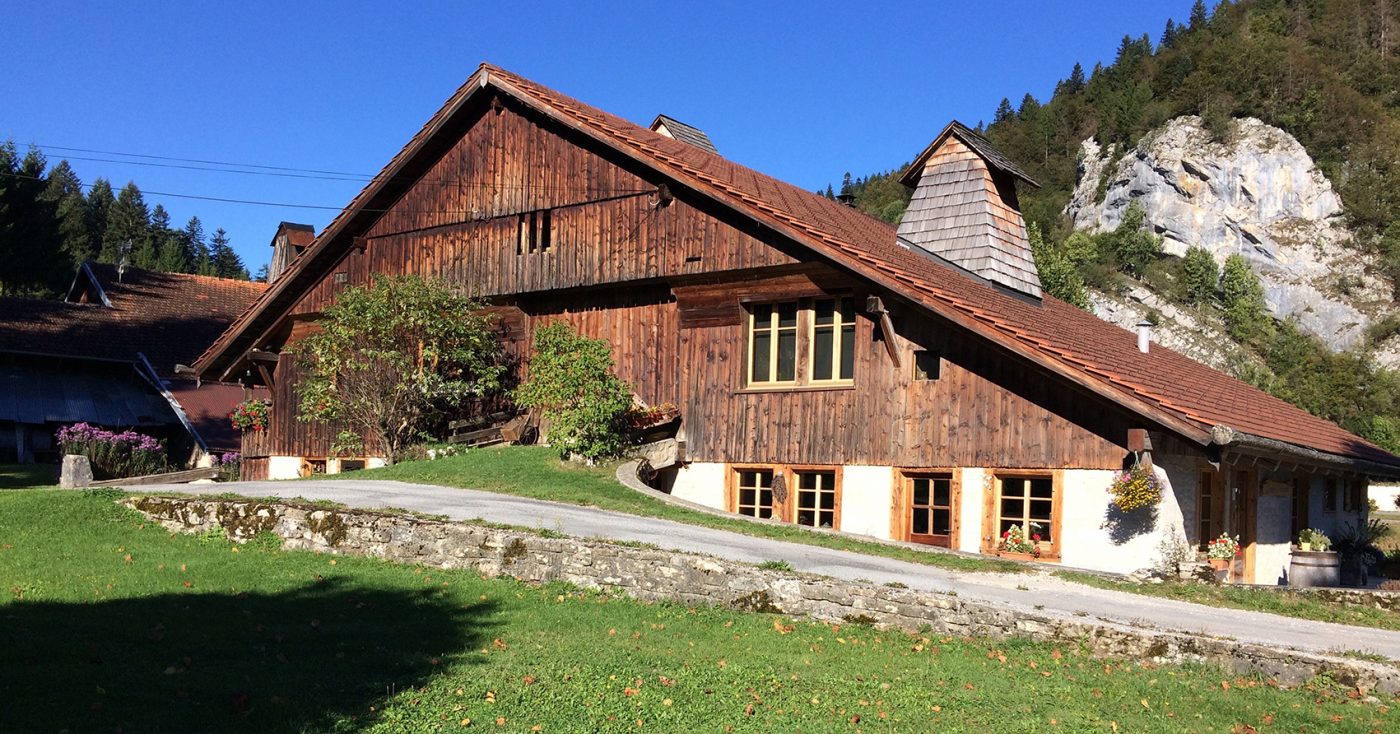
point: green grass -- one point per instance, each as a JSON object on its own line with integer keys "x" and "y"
{"x": 107, "y": 622}
{"x": 536, "y": 471}
{"x": 1287, "y": 603}
{"x": 19, "y": 476}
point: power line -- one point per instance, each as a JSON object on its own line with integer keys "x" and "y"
{"x": 199, "y": 164}
{"x": 601, "y": 197}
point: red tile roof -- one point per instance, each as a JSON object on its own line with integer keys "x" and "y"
{"x": 168, "y": 317}
{"x": 1164, "y": 386}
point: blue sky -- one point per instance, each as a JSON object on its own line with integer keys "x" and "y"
{"x": 802, "y": 91}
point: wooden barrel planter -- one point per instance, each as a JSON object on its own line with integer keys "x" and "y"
{"x": 1314, "y": 568}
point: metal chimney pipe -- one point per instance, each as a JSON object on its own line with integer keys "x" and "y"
{"x": 1144, "y": 333}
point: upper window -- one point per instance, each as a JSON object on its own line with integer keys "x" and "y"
{"x": 817, "y": 336}
{"x": 533, "y": 232}
{"x": 927, "y": 365}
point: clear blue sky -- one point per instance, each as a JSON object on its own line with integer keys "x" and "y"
{"x": 802, "y": 91}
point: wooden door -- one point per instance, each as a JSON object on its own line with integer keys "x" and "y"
{"x": 930, "y": 509}
{"x": 1243, "y": 521}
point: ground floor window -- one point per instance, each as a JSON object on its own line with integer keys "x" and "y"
{"x": 755, "y": 493}
{"x": 1028, "y": 502}
{"x": 1210, "y": 504}
{"x": 803, "y": 495}
{"x": 927, "y": 505}
{"x": 816, "y": 499}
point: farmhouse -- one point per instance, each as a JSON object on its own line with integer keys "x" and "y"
{"x": 106, "y": 355}
{"x": 908, "y": 382}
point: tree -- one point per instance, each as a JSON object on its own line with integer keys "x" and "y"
{"x": 170, "y": 251}
{"x": 571, "y": 381}
{"x": 1168, "y": 35}
{"x": 1132, "y": 244}
{"x": 1004, "y": 111}
{"x": 195, "y": 250}
{"x": 1199, "y": 15}
{"x": 1029, "y": 107}
{"x": 100, "y": 201}
{"x": 223, "y": 260}
{"x": 1058, "y": 275}
{"x": 1243, "y": 298}
{"x": 1076, "y": 82}
{"x": 394, "y": 357}
{"x": 1200, "y": 276}
{"x": 65, "y": 191}
{"x": 128, "y": 223}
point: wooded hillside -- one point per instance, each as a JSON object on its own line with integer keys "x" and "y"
{"x": 50, "y": 221}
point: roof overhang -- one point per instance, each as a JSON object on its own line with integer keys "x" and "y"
{"x": 956, "y": 129}
{"x": 1228, "y": 438}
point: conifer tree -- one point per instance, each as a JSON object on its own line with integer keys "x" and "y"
{"x": 226, "y": 263}
{"x": 1243, "y": 298}
{"x": 169, "y": 255}
{"x": 100, "y": 201}
{"x": 1029, "y": 107}
{"x": 1169, "y": 34}
{"x": 1199, "y": 15}
{"x": 194, "y": 248}
{"x": 1200, "y": 276}
{"x": 1076, "y": 81}
{"x": 1004, "y": 111}
{"x": 65, "y": 191}
{"x": 129, "y": 221}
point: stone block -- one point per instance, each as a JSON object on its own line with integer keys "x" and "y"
{"x": 77, "y": 472}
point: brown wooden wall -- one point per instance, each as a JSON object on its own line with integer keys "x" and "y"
{"x": 678, "y": 334}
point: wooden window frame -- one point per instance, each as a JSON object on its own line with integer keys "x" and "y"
{"x": 1298, "y": 513}
{"x": 1329, "y": 496}
{"x": 1216, "y": 519}
{"x": 794, "y": 490}
{"x": 937, "y": 373}
{"x": 900, "y": 526}
{"x": 785, "y": 511}
{"x": 733, "y": 487}
{"x": 773, "y": 329}
{"x": 1352, "y": 496}
{"x": 837, "y": 326}
{"x": 991, "y": 518}
{"x": 804, "y": 354}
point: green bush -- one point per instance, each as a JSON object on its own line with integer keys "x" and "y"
{"x": 571, "y": 381}
{"x": 1243, "y": 298}
{"x": 1200, "y": 276}
{"x": 1058, "y": 275}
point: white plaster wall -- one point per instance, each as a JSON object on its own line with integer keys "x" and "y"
{"x": 866, "y": 499}
{"x": 973, "y": 488}
{"x": 283, "y": 467}
{"x": 1087, "y": 542}
{"x": 1272, "y": 544}
{"x": 702, "y": 483}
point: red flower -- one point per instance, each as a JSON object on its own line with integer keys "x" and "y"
{"x": 1036, "y": 537}
{"x": 1006, "y": 533}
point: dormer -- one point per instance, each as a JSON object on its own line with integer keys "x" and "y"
{"x": 289, "y": 242}
{"x": 964, "y": 209}
{"x": 677, "y": 130}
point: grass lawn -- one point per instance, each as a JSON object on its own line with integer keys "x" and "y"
{"x": 536, "y": 471}
{"x": 110, "y": 623}
{"x": 15, "y": 476}
{"x": 1290, "y": 604}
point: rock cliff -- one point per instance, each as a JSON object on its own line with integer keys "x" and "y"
{"x": 1258, "y": 194}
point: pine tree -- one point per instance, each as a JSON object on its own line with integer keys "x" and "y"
{"x": 829, "y": 193}
{"x": 31, "y": 259}
{"x": 1004, "y": 111}
{"x": 226, "y": 262}
{"x": 1058, "y": 276}
{"x": 1029, "y": 107}
{"x": 1076, "y": 81}
{"x": 1169, "y": 35}
{"x": 170, "y": 255}
{"x": 128, "y": 222}
{"x": 1200, "y": 276}
{"x": 1199, "y": 15}
{"x": 194, "y": 249}
{"x": 1243, "y": 299}
{"x": 65, "y": 191}
{"x": 100, "y": 201}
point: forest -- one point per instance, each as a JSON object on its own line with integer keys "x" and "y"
{"x": 50, "y": 221}
{"x": 1326, "y": 71}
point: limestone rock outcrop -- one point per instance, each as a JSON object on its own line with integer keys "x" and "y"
{"x": 1258, "y": 194}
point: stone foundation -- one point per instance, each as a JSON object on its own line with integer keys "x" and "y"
{"x": 685, "y": 578}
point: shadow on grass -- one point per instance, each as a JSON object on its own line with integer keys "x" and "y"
{"x": 311, "y": 658}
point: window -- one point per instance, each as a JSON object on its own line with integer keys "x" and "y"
{"x": 755, "y": 493}
{"x": 1028, "y": 502}
{"x": 1205, "y": 509}
{"x": 773, "y": 343}
{"x": 1352, "y": 499}
{"x": 833, "y": 339}
{"x": 927, "y": 365}
{"x": 931, "y": 509}
{"x": 533, "y": 232}
{"x": 1299, "y": 517}
{"x": 816, "y": 499}
{"x": 802, "y": 343}
{"x": 1329, "y": 496}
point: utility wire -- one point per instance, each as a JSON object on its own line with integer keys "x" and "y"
{"x": 198, "y": 164}
{"x": 600, "y": 197}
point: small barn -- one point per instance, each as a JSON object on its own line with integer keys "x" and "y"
{"x": 106, "y": 355}
{"x": 909, "y": 382}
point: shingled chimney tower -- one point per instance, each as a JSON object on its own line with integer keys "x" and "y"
{"x": 965, "y": 210}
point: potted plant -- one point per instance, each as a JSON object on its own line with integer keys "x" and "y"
{"x": 1136, "y": 489}
{"x": 251, "y": 415}
{"x": 1222, "y": 551}
{"x": 1313, "y": 540}
{"x": 1014, "y": 542}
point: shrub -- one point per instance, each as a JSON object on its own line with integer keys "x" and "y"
{"x": 1058, "y": 275}
{"x": 394, "y": 357}
{"x": 1243, "y": 298}
{"x": 114, "y": 455}
{"x": 571, "y": 381}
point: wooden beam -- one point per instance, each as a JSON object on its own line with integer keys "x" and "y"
{"x": 875, "y": 305}
{"x": 258, "y": 355}
{"x": 265, "y": 372}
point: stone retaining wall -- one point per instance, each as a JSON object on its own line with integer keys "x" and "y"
{"x": 686, "y": 578}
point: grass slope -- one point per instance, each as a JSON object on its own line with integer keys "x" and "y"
{"x": 536, "y": 471}
{"x": 108, "y": 622}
